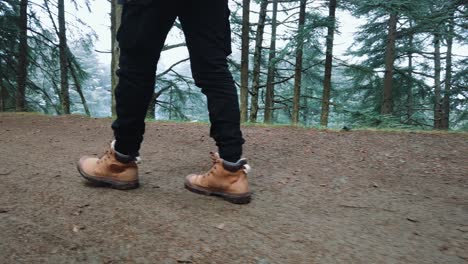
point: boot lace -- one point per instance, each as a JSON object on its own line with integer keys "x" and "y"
{"x": 105, "y": 156}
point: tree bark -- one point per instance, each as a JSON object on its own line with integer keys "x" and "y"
{"x": 154, "y": 99}
{"x": 409, "y": 91}
{"x": 22, "y": 57}
{"x": 2, "y": 96}
{"x": 328, "y": 64}
{"x": 448, "y": 73}
{"x": 79, "y": 90}
{"x": 270, "y": 86}
{"x": 257, "y": 61}
{"x": 387, "y": 102}
{"x": 244, "y": 87}
{"x": 298, "y": 68}
{"x": 152, "y": 107}
{"x": 170, "y": 103}
{"x": 437, "y": 88}
{"x": 65, "y": 96}
{"x": 116, "y": 16}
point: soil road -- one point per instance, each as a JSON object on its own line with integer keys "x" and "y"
{"x": 319, "y": 197}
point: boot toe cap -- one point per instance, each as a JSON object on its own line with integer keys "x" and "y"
{"x": 86, "y": 163}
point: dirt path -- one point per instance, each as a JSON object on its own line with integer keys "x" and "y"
{"x": 320, "y": 197}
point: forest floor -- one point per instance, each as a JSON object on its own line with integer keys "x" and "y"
{"x": 319, "y": 197}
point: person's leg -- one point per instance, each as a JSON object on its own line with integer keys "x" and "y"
{"x": 207, "y": 31}
{"x": 141, "y": 38}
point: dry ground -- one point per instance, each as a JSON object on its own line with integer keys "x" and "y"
{"x": 320, "y": 197}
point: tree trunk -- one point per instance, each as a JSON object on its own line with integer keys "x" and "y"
{"x": 270, "y": 87}
{"x": 116, "y": 16}
{"x": 78, "y": 89}
{"x": 152, "y": 107}
{"x": 257, "y": 61}
{"x": 298, "y": 68}
{"x": 2, "y": 96}
{"x": 22, "y": 57}
{"x": 387, "y": 102}
{"x": 448, "y": 74}
{"x": 437, "y": 94}
{"x": 244, "y": 87}
{"x": 409, "y": 91}
{"x": 154, "y": 99}
{"x": 305, "y": 103}
{"x": 63, "y": 59}
{"x": 328, "y": 64}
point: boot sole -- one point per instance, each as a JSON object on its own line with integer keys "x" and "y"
{"x": 244, "y": 198}
{"x": 99, "y": 181}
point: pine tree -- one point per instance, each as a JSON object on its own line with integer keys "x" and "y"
{"x": 22, "y": 57}
{"x": 270, "y": 86}
{"x": 244, "y": 87}
{"x": 62, "y": 34}
{"x": 328, "y": 64}
{"x": 298, "y": 67}
{"x": 257, "y": 61}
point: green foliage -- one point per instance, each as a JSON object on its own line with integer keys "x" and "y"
{"x": 356, "y": 95}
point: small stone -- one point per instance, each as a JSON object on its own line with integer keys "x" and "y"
{"x": 77, "y": 213}
{"x": 77, "y": 228}
{"x": 73, "y": 247}
{"x": 220, "y": 226}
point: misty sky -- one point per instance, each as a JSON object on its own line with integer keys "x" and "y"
{"x": 99, "y": 21}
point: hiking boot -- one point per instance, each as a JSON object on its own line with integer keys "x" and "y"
{"x": 112, "y": 169}
{"x": 225, "y": 179}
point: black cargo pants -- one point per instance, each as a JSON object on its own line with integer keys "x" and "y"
{"x": 141, "y": 36}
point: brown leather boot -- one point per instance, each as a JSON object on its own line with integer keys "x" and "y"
{"x": 225, "y": 179}
{"x": 113, "y": 169}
